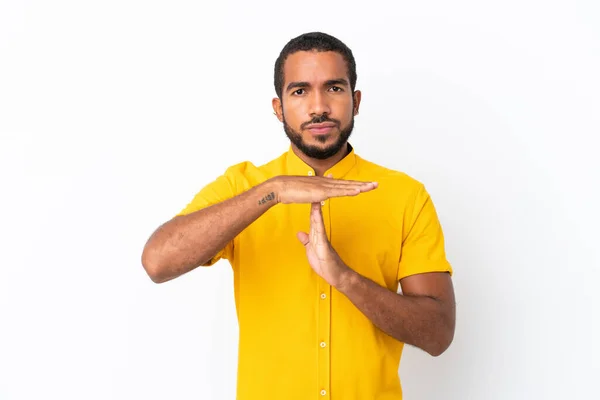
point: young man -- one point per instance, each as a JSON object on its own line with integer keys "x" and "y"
{"x": 319, "y": 240}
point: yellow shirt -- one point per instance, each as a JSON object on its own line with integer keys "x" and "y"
{"x": 299, "y": 338}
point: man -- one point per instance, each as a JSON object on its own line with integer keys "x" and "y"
{"x": 319, "y": 240}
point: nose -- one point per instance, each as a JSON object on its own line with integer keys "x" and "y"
{"x": 319, "y": 104}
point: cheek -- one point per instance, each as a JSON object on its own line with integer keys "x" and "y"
{"x": 342, "y": 105}
{"x": 349, "y": 106}
{"x": 293, "y": 116}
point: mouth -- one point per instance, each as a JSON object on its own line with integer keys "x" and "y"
{"x": 320, "y": 129}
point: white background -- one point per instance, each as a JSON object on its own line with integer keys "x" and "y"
{"x": 114, "y": 114}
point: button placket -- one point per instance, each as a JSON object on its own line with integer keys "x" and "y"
{"x": 324, "y": 320}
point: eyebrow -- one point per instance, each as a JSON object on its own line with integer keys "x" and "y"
{"x": 331, "y": 82}
{"x": 339, "y": 82}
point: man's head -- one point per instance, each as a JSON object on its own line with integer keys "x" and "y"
{"x": 315, "y": 77}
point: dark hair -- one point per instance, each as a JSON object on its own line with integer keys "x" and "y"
{"x": 314, "y": 41}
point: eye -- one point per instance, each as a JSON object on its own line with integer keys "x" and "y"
{"x": 298, "y": 92}
{"x": 337, "y": 89}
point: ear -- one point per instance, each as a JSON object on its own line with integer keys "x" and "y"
{"x": 277, "y": 108}
{"x": 356, "y": 96}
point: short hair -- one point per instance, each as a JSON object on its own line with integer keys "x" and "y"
{"x": 316, "y": 41}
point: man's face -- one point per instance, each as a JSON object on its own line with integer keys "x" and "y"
{"x": 317, "y": 106}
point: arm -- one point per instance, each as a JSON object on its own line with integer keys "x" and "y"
{"x": 423, "y": 316}
{"x": 188, "y": 241}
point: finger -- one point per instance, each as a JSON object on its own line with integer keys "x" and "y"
{"x": 341, "y": 192}
{"x": 346, "y": 182}
{"x": 317, "y": 225}
{"x": 340, "y": 183}
{"x": 341, "y": 188}
{"x": 362, "y": 187}
{"x": 367, "y": 187}
{"x": 352, "y": 184}
{"x": 303, "y": 238}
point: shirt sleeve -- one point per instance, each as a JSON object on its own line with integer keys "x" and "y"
{"x": 423, "y": 248}
{"x": 221, "y": 189}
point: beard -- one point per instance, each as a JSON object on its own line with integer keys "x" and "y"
{"x": 314, "y": 151}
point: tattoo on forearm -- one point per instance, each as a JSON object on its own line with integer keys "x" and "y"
{"x": 269, "y": 197}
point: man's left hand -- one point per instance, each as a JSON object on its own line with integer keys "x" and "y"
{"x": 323, "y": 259}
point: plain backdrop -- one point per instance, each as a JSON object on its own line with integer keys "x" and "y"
{"x": 114, "y": 114}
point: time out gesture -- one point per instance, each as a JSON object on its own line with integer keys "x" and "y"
{"x": 322, "y": 257}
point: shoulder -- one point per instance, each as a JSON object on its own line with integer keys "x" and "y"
{"x": 399, "y": 193}
{"x": 390, "y": 180}
{"x": 246, "y": 174}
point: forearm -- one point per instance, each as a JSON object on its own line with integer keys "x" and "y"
{"x": 186, "y": 242}
{"x": 422, "y": 321}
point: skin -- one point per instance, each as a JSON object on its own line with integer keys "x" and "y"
{"x": 423, "y": 316}
{"x": 309, "y": 91}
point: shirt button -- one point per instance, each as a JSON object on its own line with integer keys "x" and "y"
{"x": 323, "y": 344}
{"x": 309, "y": 173}
{"x": 323, "y": 203}
{"x": 323, "y": 296}
{"x": 323, "y": 392}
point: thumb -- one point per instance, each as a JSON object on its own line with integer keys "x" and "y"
{"x": 303, "y": 237}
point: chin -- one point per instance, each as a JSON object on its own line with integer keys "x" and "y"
{"x": 323, "y": 141}
{"x": 318, "y": 146}
{"x": 320, "y": 150}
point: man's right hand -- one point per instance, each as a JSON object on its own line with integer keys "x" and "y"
{"x": 185, "y": 242}
{"x": 313, "y": 189}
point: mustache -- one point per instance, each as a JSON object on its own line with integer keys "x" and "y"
{"x": 319, "y": 120}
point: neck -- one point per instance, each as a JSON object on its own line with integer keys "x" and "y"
{"x": 320, "y": 166}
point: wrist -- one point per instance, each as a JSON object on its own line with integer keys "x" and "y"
{"x": 273, "y": 185}
{"x": 345, "y": 279}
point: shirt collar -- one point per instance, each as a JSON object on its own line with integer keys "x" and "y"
{"x": 295, "y": 165}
